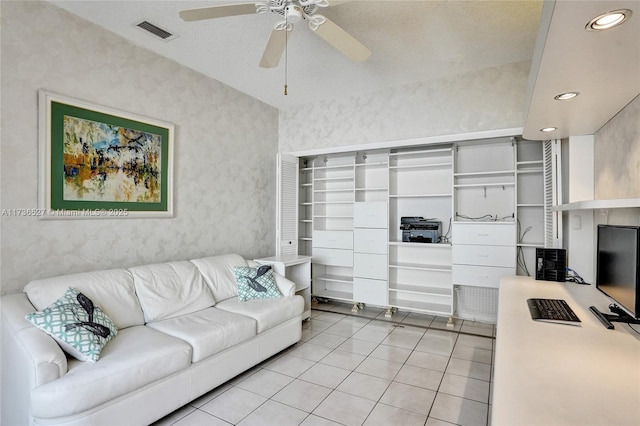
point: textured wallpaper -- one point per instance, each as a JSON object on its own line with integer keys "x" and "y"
{"x": 224, "y": 165}
{"x": 617, "y": 155}
{"x": 488, "y": 99}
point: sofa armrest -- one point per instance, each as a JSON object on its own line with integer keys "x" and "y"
{"x": 285, "y": 285}
{"x": 39, "y": 352}
{"x": 30, "y": 358}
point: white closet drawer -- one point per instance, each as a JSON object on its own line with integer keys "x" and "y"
{"x": 370, "y": 241}
{"x": 373, "y": 292}
{"x": 484, "y": 233}
{"x": 333, "y": 257}
{"x": 333, "y": 239}
{"x": 484, "y": 255}
{"x": 370, "y": 266}
{"x": 370, "y": 214}
{"x": 480, "y": 276}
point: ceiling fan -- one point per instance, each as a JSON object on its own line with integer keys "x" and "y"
{"x": 293, "y": 11}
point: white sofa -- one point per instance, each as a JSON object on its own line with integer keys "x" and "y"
{"x": 181, "y": 332}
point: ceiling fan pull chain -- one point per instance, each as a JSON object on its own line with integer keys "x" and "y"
{"x": 286, "y": 51}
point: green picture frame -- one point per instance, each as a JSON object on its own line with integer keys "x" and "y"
{"x": 99, "y": 162}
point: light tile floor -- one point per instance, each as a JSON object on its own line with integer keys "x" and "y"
{"x": 361, "y": 369}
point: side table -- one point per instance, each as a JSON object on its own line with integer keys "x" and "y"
{"x": 297, "y": 268}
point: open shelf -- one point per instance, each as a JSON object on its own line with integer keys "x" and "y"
{"x": 487, "y": 173}
{"x": 332, "y": 294}
{"x": 421, "y": 267}
{"x": 483, "y": 185}
{"x": 420, "y": 166}
{"x": 420, "y": 195}
{"x": 432, "y": 291}
{"x": 619, "y": 203}
{"x": 434, "y": 308}
{"x": 419, "y": 245}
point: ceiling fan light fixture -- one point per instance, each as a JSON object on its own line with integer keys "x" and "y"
{"x": 608, "y": 20}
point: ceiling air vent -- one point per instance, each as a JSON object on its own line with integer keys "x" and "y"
{"x": 155, "y": 30}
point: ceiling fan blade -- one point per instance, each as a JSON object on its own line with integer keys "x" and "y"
{"x": 218, "y": 11}
{"x": 343, "y": 41}
{"x": 275, "y": 48}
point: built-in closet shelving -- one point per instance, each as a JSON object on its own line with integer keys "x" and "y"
{"x": 305, "y": 207}
{"x": 484, "y": 181}
{"x": 333, "y": 188}
{"x": 333, "y": 193}
{"x": 420, "y": 184}
{"x": 372, "y": 176}
{"x": 485, "y": 193}
{"x": 530, "y": 203}
{"x": 484, "y": 231}
{"x": 370, "y": 229}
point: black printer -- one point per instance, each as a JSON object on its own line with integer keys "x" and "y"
{"x": 416, "y": 229}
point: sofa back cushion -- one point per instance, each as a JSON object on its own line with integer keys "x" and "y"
{"x": 168, "y": 290}
{"x": 218, "y": 274}
{"x": 112, "y": 290}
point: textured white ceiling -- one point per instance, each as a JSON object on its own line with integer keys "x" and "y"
{"x": 411, "y": 41}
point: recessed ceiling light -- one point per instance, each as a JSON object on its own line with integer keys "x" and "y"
{"x": 608, "y": 20}
{"x": 548, "y": 129}
{"x": 566, "y": 95}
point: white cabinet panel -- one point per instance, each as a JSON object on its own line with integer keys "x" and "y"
{"x": 373, "y": 292}
{"x": 333, "y": 257}
{"x": 333, "y": 239}
{"x": 370, "y": 241}
{"x": 484, "y": 233}
{"x": 484, "y": 255}
{"x": 480, "y": 276}
{"x": 372, "y": 214}
{"x": 370, "y": 265}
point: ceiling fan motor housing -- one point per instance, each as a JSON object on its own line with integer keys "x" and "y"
{"x": 292, "y": 8}
{"x": 293, "y": 13}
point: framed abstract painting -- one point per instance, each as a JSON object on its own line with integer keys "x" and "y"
{"x": 98, "y": 162}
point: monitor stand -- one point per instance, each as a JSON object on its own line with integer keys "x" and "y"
{"x": 619, "y": 315}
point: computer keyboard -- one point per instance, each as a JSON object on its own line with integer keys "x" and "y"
{"x": 553, "y": 310}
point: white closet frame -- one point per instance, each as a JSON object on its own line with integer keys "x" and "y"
{"x": 286, "y": 203}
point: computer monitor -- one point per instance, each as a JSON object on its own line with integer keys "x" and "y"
{"x": 618, "y": 266}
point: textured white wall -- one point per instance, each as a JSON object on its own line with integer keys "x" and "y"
{"x": 617, "y": 155}
{"x": 224, "y": 175}
{"x": 488, "y": 99}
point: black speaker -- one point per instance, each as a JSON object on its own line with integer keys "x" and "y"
{"x": 551, "y": 264}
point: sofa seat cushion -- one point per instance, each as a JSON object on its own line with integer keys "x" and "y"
{"x": 267, "y": 312}
{"x": 208, "y": 331}
{"x": 137, "y": 356}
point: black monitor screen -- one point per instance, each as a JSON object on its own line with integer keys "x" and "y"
{"x": 618, "y": 265}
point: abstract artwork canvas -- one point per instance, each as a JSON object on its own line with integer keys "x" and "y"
{"x": 99, "y": 162}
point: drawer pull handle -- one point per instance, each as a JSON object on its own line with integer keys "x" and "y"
{"x": 483, "y": 235}
{"x": 483, "y": 255}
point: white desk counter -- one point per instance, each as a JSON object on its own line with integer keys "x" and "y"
{"x": 556, "y": 374}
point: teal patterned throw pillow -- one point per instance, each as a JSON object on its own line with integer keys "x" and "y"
{"x": 255, "y": 283}
{"x": 79, "y": 326}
